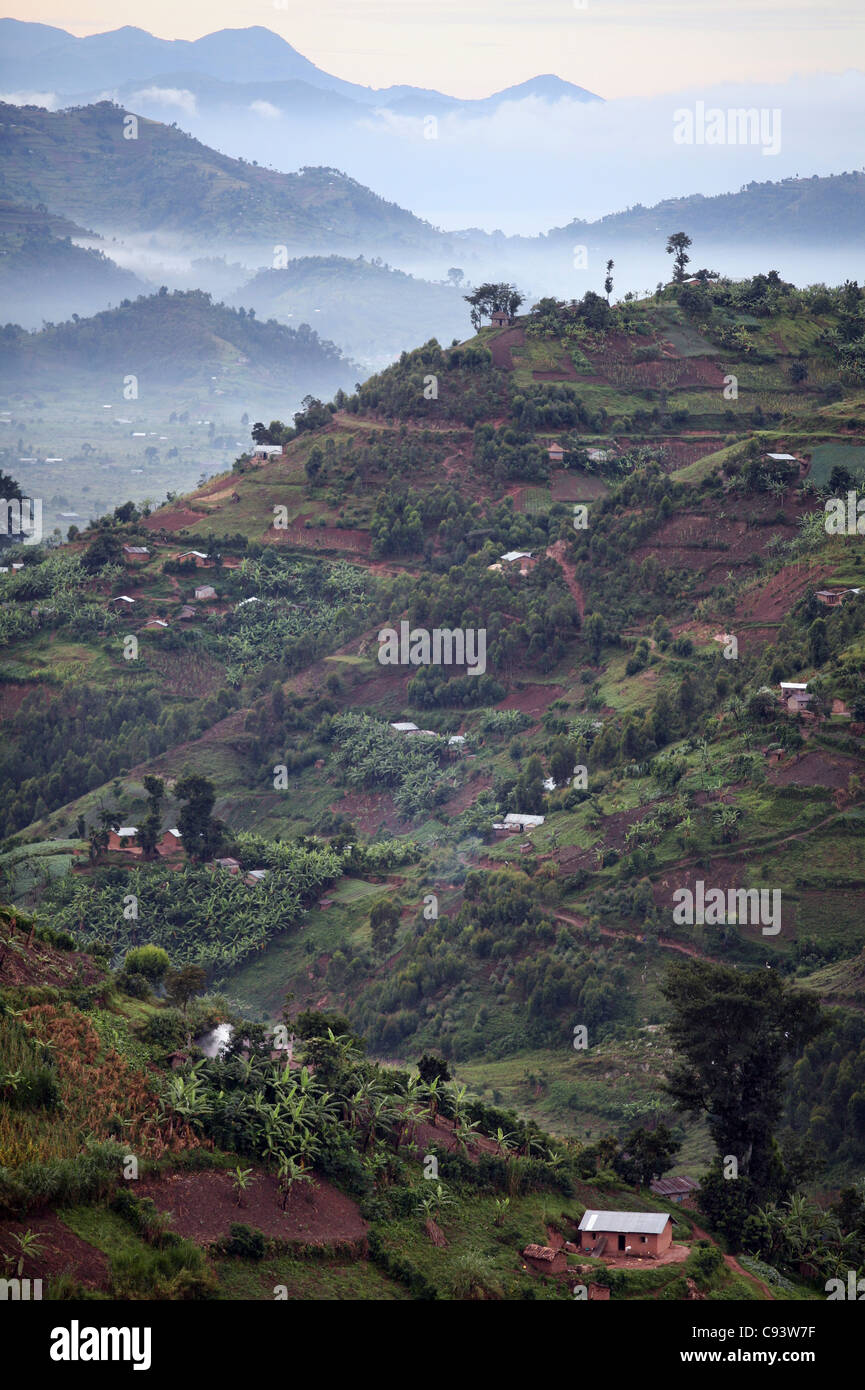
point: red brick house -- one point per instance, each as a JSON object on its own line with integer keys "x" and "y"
{"x": 123, "y": 837}
{"x": 640, "y": 1234}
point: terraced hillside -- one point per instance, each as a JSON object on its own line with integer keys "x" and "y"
{"x": 629, "y": 504}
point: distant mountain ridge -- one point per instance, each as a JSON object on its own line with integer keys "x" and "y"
{"x": 44, "y": 275}
{"x": 80, "y": 164}
{"x": 43, "y": 57}
{"x": 180, "y": 339}
{"x": 823, "y": 209}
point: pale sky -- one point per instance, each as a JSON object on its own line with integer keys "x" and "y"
{"x": 470, "y": 48}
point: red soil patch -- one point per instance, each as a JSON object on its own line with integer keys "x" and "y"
{"x": 442, "y": 1135}
{"x": 174, "y": 519}
{"x": 680, "y": 451}
{"x": 36, "y": 963}
{"x": 558, "y": 551}
{"x": 370, "y": 810}
{"x": 466, "y": 795}
{"x": 815, "y": 769}
{"x": 320, "y": 537}
{"x": 532, "y": 699}
{"x": 576, "y": 487}
{"x": 502, "y": 344}
{"x": 63, "y": 1252}
{"x": 778, "y": 595}
{"x": 203, "y": 1207}
{"x": 710, "y": 546}
{"x": 13, "y": 696}
{"x": 564, "y": 372}
{"x": 723, "y": 874}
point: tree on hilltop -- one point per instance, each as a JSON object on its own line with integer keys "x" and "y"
{"x": 677, "y": 247}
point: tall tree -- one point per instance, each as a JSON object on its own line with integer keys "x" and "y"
{"x": 677, "y": 247}
{"x": 202, "y": 835}
{"x": 736, "y": 1032}
{"x": 148, "y": 833}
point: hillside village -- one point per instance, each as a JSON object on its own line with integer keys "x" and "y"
{"x": 466, "y": 1046}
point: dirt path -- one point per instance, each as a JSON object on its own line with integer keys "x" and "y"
{"x": 629, "y": 936}
{"x": 557, "y": 552}
{"x": 732, "y": 1263}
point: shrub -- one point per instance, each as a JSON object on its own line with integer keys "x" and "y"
{"x": 244, "y": 1242}
{"x": 134, "y": 985}
{"x": 149, "y": 961}
{"x": 165, "y": 1029}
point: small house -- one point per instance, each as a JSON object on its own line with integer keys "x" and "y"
{"x": 782, "y": 458}
{"x": 517, "y": 821}
{"x": 501, "y": 830}
{"x": 123, "y": 601}
{"x": 204, "y": 592}
{"x": 255, "y": 876}
{"x": 543, "y": 1259}
{"x": 197, "y": 556}
{"x": 674, "y": 1189}
{"x": 523, "y": 560}
{"x": 263, "y": 452}
{"x": 795, "y": 695}
{"x": 556, "y": 453}
{"x": 135, "y": 554}
{"x": 170, "y": 842}
{"x": 500, "y": 318}
{"x": 598, "y": 1291}
{"x": 636, "y": 1233}
{"x": 405, "y": 727}
{"x": 510, "y": 557}
{"x": 833, "y": 598}
{"x": 231, "y": 865}
{"x": 123, "y": 837}
{"x": 186, "y": 613}
{"x": 598, "y": 455}
{"x": 156, "y": 622}
{"x": 773, "y": 752}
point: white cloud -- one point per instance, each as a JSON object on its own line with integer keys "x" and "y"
{"x": 266, "y": 109}
{"x": 165, "y": 96}
{"x": 49, "y": 100}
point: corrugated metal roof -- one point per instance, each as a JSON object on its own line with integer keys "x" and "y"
{"x": 631, "y": 1222}
{"x": 664, "y": 1186}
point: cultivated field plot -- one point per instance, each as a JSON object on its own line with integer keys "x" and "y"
{"x": 828, "y": 456}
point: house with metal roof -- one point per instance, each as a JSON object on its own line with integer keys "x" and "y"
{"x": 523, "y": 822}
{"x": 674, "y": 1189}
{"x": 641, "y": 1234}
